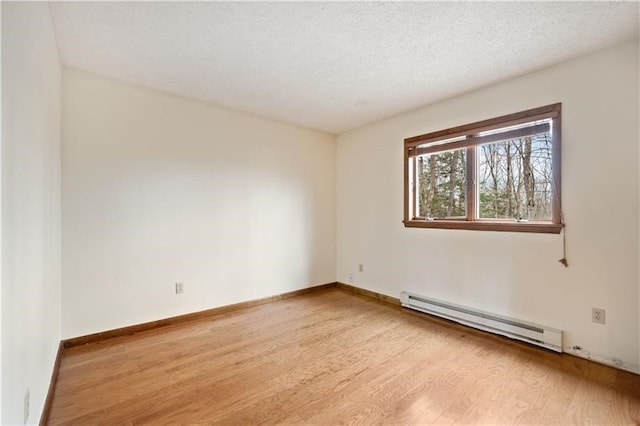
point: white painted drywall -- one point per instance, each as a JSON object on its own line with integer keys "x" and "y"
{"x": 160, "y": 189}
{"x": 30, "y": 207}
{"x": 511, "y": 273}
{"x": 1, "y": 133}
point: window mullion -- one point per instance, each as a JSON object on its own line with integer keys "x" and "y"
{"x": 415, "y": 189}
{"x": 472, "y": 197}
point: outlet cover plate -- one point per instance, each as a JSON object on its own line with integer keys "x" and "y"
{"x": 598, "y": 315}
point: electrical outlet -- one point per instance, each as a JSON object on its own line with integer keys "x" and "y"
{"x": 361, "y": 268}
{"x": 598, "y": 315}
{"x": 179, "y": 288}
{"x": 350, "y": 278}
{"x": 27, "y": 403}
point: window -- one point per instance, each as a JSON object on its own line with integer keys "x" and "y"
{"x": 501, "y": 174}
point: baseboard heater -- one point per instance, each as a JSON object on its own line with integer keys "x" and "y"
{"x": 546, "y": 337}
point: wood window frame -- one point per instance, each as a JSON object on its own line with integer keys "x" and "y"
{"x": 414, "y": 146}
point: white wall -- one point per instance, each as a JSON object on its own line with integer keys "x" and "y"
{"x": 511, "y": 273}
{"x": 160, "y": 189}
{"x": 1, "y": 133}
{"x": 30, "y": 207}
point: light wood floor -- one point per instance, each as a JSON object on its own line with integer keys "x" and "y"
{"x": 333, "y": 357}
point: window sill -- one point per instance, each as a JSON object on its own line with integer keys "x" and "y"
{"x": 506, "y": 226}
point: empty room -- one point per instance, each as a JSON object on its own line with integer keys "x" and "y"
{"x": 320, "y": 213}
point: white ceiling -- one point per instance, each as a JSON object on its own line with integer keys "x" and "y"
{"x": 330, "y": 66}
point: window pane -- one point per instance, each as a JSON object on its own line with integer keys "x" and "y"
{"x": 516, "y": 179}
{"x": 441, "y": 184}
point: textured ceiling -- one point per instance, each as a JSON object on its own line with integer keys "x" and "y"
{"x": 330, "y": 66}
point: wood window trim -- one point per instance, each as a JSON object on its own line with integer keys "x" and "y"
{"x": 412, "y": 148}
{"x": 487, "y": 225}
{"x": 549, "y": 111}
{"x": 473, "y": 141}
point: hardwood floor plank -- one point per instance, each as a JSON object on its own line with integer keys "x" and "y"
{"x": 332, "y": 357}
